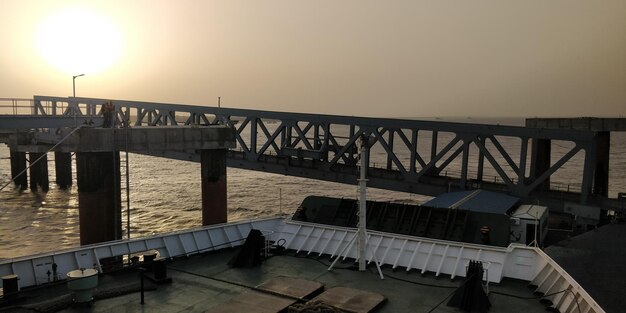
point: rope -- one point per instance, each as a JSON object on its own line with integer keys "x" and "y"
{"x": 312, "y": 307}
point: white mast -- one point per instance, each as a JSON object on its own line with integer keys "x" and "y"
{"x": 361, "y": 233}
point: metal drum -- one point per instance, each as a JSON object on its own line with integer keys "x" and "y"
{"x": 82, "y": 282}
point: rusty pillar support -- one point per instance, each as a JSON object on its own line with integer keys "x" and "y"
{"x": 63, "y": 168}
{"x": 18, "y": 165}
{"x": 38, "y": 171}
{"x": 601, "y": 176}
{"x": 99, "y": 197}
{"x": 213, "y": 174}
{"x": 541, "y": 151}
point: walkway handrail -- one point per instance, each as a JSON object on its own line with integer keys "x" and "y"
{"x": 15, "y": 106}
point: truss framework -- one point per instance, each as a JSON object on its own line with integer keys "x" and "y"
{"x": 426, "y": 157}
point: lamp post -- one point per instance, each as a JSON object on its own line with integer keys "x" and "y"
{"x": 74, "y": 94}
{"x": 74, "y": 84}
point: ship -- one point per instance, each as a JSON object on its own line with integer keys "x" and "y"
{"x": 309, "y": 262}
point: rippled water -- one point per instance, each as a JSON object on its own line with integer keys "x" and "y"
{"x": 165, "y": 196}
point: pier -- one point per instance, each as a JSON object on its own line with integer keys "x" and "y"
{"x": 421, "y": 157}
{"x": 98, "y": 174}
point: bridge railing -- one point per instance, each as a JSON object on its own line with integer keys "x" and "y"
{"x": 16, "y": 106}
{"x": 424, "y": 157}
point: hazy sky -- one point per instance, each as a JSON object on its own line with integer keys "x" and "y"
{"x": 363, "y": 58}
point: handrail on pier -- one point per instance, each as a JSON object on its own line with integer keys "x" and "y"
{"x": 15, "y": 106}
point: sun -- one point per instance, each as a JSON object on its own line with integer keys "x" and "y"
{"x": 79, "y": 40}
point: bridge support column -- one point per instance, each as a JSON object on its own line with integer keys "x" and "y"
{"x": 601, "y": 177}
{"x": 39, "y": 171}
{"x": 213, "y": 172}
{"x": 63, "y": 168}
{"x": 18, "y": 164}
{"x": 99, "y": 197}
{"x": 541, "y": 160}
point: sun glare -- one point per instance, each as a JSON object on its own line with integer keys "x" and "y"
{"x": 77, "y": 40}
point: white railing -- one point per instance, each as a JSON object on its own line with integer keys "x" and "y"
{"x": 445, "y": 257}
{"x": 564, "y": 293}
{"x": 37, "y": 269}
{"x": 411, "y": 253}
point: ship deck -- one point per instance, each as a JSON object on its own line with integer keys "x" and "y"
{"x": 597, "y": 260}
{"x": 204, "y": 282}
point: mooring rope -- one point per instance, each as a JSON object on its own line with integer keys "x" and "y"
{"x": 312, "y": 307}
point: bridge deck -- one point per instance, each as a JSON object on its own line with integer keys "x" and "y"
{"x": 425, "y": 157}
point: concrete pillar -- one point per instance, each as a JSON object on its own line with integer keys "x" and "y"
{"x": 99, "y": 197}
{"x": 601, "y": 177}
{"x": 213, "y": 174}
{"x": 18, "y": 164}
{"x": 541, "y": 150}
{"x": 38, "y": 171}
{"x": 63, "y": 167}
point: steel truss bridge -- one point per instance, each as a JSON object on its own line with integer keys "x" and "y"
{"x": 421, "y": 157}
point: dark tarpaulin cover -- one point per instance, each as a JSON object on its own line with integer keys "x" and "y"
{"x": 470, "y": 296}
{"x": 251, "y": 251}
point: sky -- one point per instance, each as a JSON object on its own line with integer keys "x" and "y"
{"x": 418, "y": 58}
